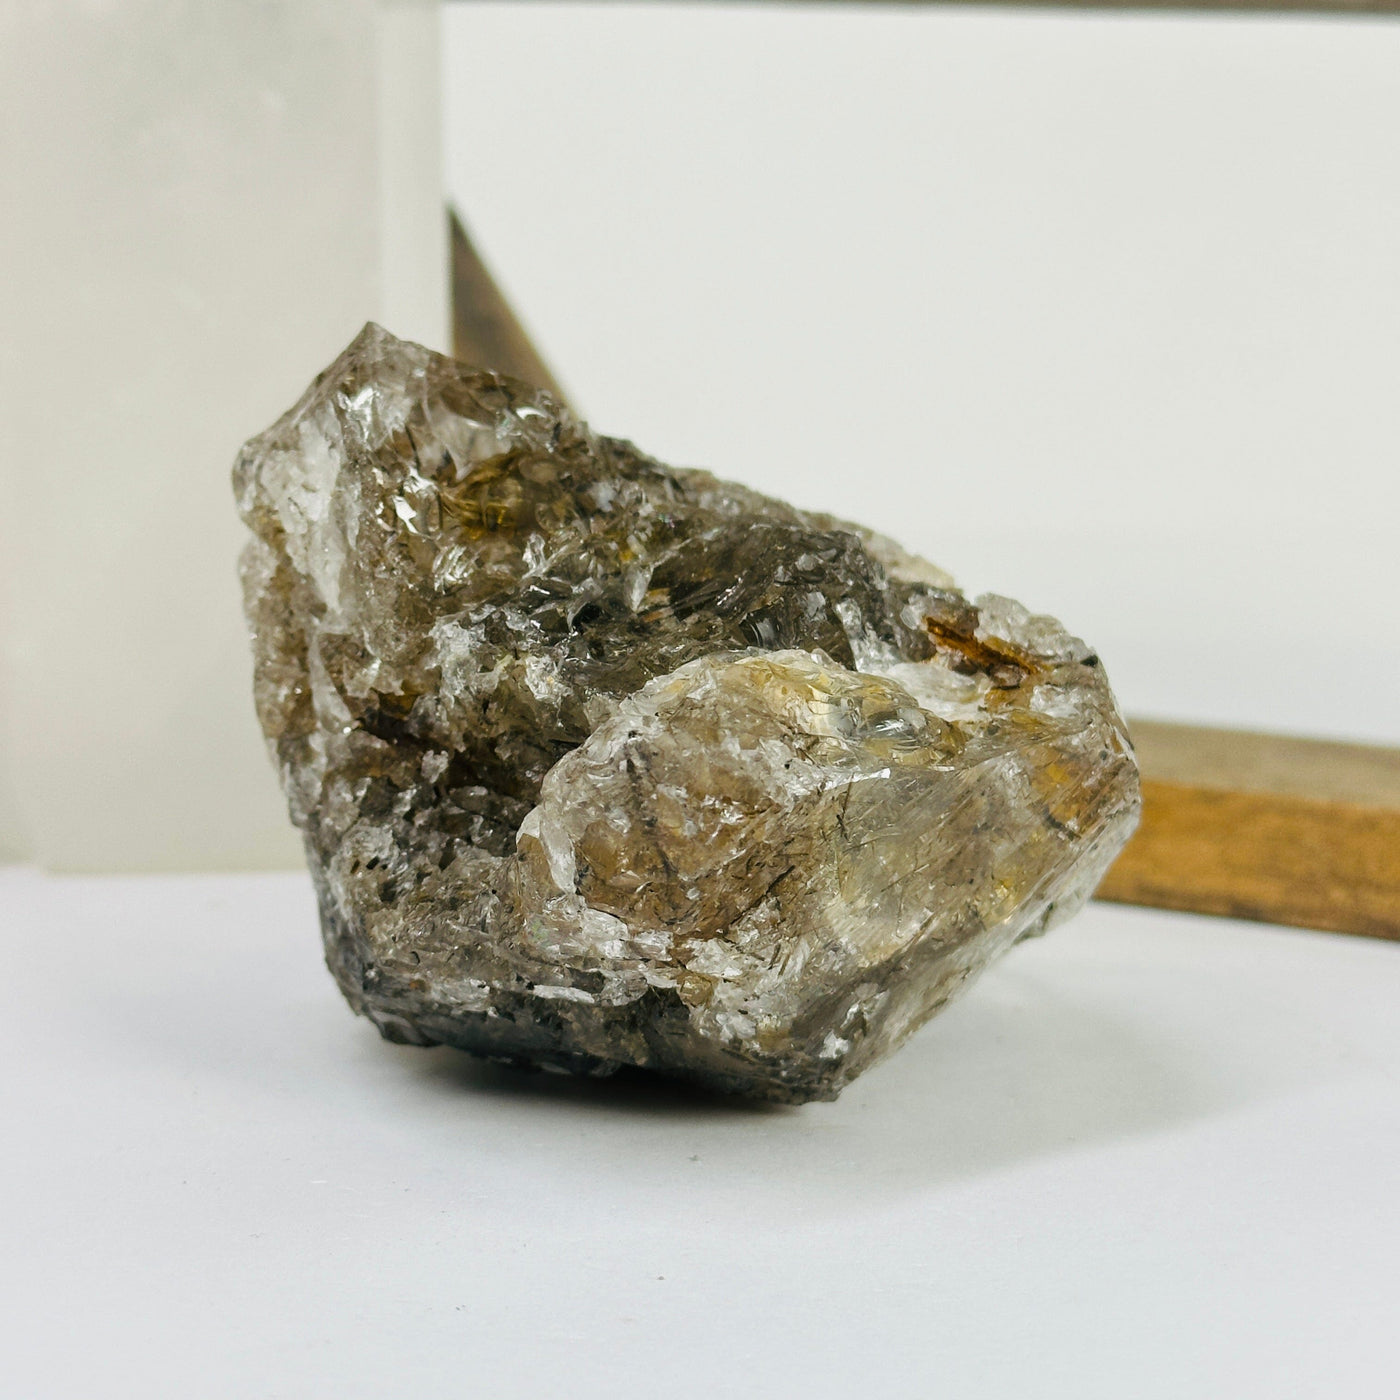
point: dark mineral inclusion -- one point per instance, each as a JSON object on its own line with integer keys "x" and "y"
{"x": 602, "y": 763}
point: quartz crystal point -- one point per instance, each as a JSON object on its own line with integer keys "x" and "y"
{"x": 604, "y": 763}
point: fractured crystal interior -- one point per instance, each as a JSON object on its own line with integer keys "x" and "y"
{"x": 602, "y": 763}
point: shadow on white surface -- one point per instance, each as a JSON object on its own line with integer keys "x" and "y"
{"x": 1118, "y": 1167}
{"x": 1060, "y": 1047}
{"x": 1019, "y": 1068}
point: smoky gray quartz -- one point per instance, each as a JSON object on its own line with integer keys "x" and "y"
{"x": 601, "y": 762}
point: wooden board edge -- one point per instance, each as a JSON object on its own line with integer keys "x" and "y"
{"x": 1277, "y": 859}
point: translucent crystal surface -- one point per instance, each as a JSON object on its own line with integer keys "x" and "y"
{"x": 604, "y": 763}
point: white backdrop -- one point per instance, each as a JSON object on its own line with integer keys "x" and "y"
{"x": 1099, "y": 311}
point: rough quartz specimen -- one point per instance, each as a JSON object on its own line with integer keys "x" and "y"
{"x": 603, "y": 763}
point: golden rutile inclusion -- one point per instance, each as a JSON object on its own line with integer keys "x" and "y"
{"x": 604, "y": 763}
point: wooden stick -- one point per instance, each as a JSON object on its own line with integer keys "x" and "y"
{"x": 1253, "y": 826}
{"x": 485, "y": 331}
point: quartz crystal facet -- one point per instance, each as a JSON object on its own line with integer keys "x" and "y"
{"x": 602, "y": 763}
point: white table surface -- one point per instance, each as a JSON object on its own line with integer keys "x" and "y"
{"x": 1150, "y": 1155}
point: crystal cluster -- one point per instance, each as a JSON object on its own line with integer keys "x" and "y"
{"x": 602, "y": 763}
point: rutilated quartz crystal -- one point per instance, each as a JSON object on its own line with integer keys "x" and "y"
{"x": 600, "y": 762}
